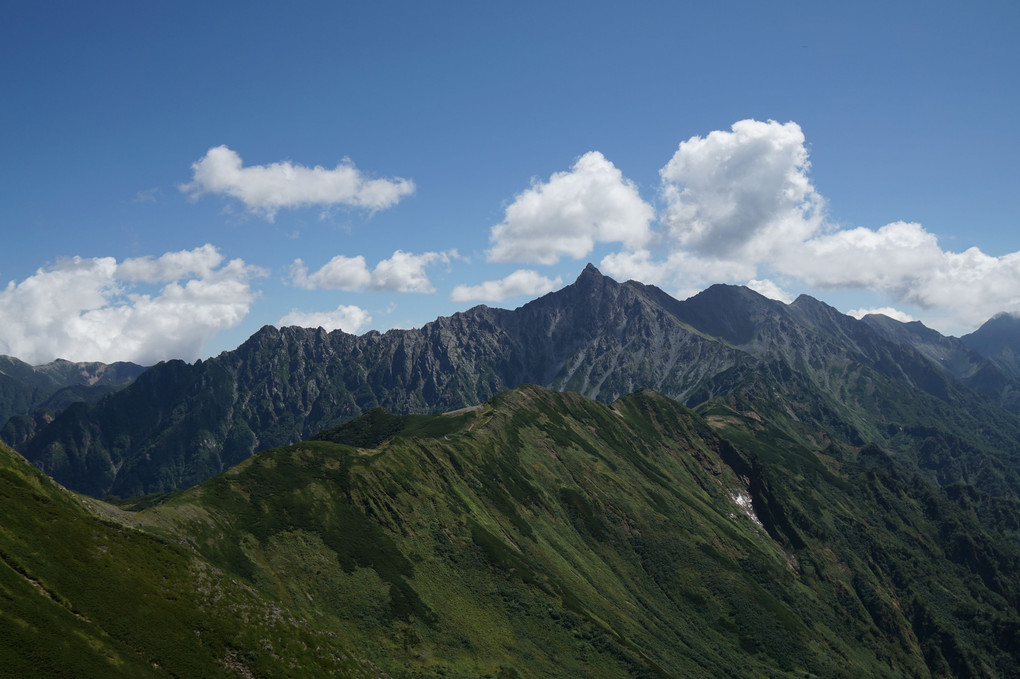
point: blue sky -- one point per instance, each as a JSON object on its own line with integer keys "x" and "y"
{"x": 176, "y": 175}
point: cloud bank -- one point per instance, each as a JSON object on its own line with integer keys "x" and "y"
{"x": 885, "y": 311}
{"x": 403, "y": 272}
{"x": 738, "y": 205}
{"x": 520, "y": 282}
{"x": 265, "y": 189}
{"x": 90, "y": 309}
{"x": 348, "y": 318}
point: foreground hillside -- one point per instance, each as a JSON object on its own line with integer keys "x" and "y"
{"x": 542, "y": 534}
{"x": 84, "y": 596}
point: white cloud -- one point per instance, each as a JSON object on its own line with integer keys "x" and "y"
{"x": 770, "y": 289}
{"x": 685, "y": 273}
{"x": 170, "y": 266}
{"x": 348, "y": 318}
{"x": 889, "y": 311}
{"x": 635, "y": 265}
{"x": 520, "y": 282}
{"x": 742, "y": 193}
{"x": 891, "y": 259}
{"x": 567, "y": 215}
{"x": 88, "y": 309}
{"x": 267, "y": 188}
{"x": 339, "y": 273}
{"x": 403, "y": 272}
{"x": 906, "y": 263}
{"x": 733, "y": 201}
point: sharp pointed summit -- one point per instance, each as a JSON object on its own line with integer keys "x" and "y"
{"x": 590, "y": 276}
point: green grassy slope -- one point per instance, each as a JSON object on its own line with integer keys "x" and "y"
{"x": 549, "y": 535}
{"x": 541, "y": 535}
{"x": 82, "y": 595}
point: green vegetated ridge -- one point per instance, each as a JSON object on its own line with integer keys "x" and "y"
{"x": 543, "y": 534}
{"x": 82, "y": 594}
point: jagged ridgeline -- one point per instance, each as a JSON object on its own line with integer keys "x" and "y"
{"x": 851, "y": 382}
{"x": 541, "y": 534}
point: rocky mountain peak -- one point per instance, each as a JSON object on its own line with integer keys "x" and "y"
{"x": 591, "y": 279}
{"x": 730, "y": 312}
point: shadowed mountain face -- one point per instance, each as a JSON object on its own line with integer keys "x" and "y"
{"x": 986, "y": 369}
{"x": 999, "y": 340}
{"x": 846, "y": 380}
{"x": 24, "y": 389}
{"x": 541, "y": 534}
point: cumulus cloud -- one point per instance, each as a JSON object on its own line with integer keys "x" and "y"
{"x": 770, "y": 289}
{"x": 265, "y": 189}
{"x": 906, "y": 263}
{"x": 348, "y": 318}
{"x": 170, "y": 266}
{"x": 520, "y": 282}
{"x": 567, "y": 215}
{"x": 743, "y": 192}
{"x": 892, "y": 259}
{"x": 403, "y": 272}
{"x": 339, "y": 273}
{"x": 685, "y": 273}
{"x": 889, "y": 311}
{"x": 90, "y": 309}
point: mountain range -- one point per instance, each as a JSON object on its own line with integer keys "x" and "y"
{"x": 623, "y": 484}
{"x": 178, "y": 423}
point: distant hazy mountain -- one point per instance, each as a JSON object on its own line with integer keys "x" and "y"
{"x": 972, "y": 364}
{"x": 850, "y": 382}
{"x": 541, "y": 534}
{"x": 25, "y": 389}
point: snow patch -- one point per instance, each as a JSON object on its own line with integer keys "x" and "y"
{"x": 743, "y": 501}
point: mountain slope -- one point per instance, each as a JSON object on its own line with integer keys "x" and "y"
{"x": 975, "y": 369}
{"x": 546, "y": 534}
{"x": 999, "y": 340}
{"x": 180, "y": 423}
{"x": 84, "y": 596}
{"x": 542, "y": 534}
